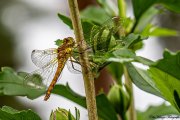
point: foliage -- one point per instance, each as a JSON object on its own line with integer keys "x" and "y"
{"x": 113, "y": 42}
{"x": 141, "y": 6}
{"x": 142, "y": 79}
{"x": 105, "y": 113}
{"x": 12, "y": 84}
{"x": 8, "y": 113}
{"x": 160, "y": 111}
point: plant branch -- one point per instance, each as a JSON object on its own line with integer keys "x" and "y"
{"x": 134, "y": 27}
{"x": 87, "y": 74}
{"x": 131, "y": 111}
{"x": 122, "y": 8}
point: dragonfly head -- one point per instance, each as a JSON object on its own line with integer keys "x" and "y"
{"x": 69, "y": 41}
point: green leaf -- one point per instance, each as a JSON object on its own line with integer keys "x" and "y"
{"x": 146, "y": 18}
{"x": 124, "y": 55}
{"x": 105, "y": 109}
{"x": 77, "y": 114}
{"x": 106, "y": 113}
{"x": 58, "y": 42}
{"x": 70, "y": 116}
{"x": 8, "y": 113}
{"x": 166, "y": 75}
{"x": 168, "y": 85}
{"x": 154, "y": 112}
{"x": 172, "y": 5}
{"x": 61, "y": 114}
{"x": 86, "y": 25}
{"x": 157, "y": 31}
{"x": 144, "y": 61}
{"x": 133, "y": 39}
{"x": 152, "y": 30}
{"x": 170, "y": 63}
{"x": 12, "y": 84}
{"x": 121, "y": 55}
{"x": 95, "y": 14}
{"x": 66, "y": 20}
{"x": 9, "y": 110}
{"x": 142, "y": 80}
{"x": 141, "y": 6}
{"x": 66, "y": 92}
{"x": 162, "y": 79}
{"x": 137, "y": 46}
{"x": 109, "y": 7}
{"x": 116, "y": 70}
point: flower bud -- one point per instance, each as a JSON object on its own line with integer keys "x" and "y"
{"x": 119, "y": 98}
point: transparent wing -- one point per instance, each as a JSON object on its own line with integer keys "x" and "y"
{"x": 73, "y": 66}
{"x": 43, "y": 58}
{"x": 42, "y": 77}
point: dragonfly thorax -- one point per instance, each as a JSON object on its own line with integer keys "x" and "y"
{"x": 69, "y": 42}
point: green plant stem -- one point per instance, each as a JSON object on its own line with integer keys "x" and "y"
{"x": 87, "y": 74}
{"x": 131, "y": 110}
{"x": 122, "y": 8}
{"x": 134, "y": 27}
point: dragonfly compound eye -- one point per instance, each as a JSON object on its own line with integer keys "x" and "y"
{"x": 33, "y": 51}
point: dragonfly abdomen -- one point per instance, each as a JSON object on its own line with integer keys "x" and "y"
{"x": 62, "y": 58}
{"x": 64, "y": 52}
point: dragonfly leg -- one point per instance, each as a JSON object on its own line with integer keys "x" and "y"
{"x": 80, "y": 43}
{"x": 82, "y": 52}
{"x": 73, "y": 65}
{"x": 93, "y": 65}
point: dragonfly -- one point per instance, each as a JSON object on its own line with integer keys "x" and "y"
{"x": 51, "y": 62}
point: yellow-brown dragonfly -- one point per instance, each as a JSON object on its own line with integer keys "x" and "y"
{"x": 51, "y": 63}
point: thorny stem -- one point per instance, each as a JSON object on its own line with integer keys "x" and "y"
{"x": 87, "y": 74}
{"x": 131, "y": 111}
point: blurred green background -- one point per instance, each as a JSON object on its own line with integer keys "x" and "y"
{"x": 13, "y": 14}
